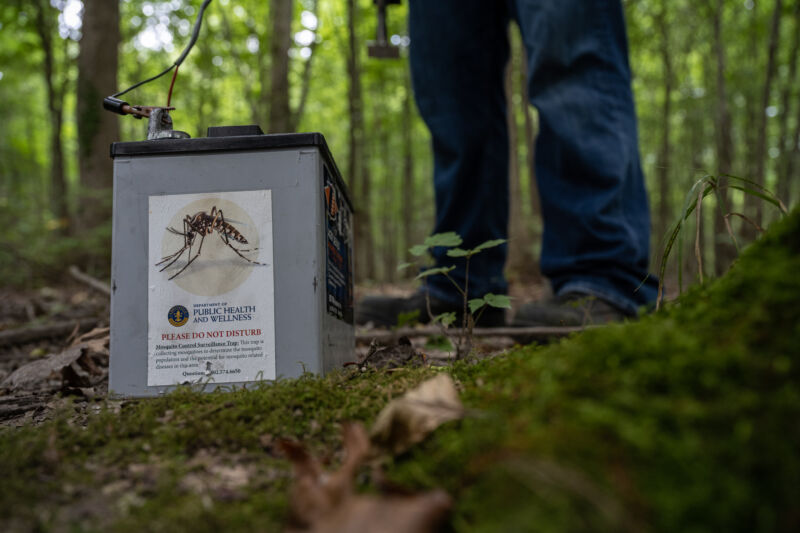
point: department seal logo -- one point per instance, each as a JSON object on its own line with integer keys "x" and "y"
{"x": 178, "y": 315}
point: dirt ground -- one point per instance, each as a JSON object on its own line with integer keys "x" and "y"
{"x": 60, "y": 318}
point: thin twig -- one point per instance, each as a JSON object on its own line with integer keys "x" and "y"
{"x": 537, "y": 333}
{"x": 442, "y": 327}
{"x": 723, "y": 205}
{"x": 35, "y": 333}
{"x": 747, "y": 219}
{"x": 90, "y": 281}
{"x": 697, "y": 235}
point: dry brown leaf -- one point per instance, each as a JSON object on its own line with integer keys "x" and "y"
{"x": 75, "y": 367}
{"x": 95, "y": 334}
{"x": 420, "y": 513}
{"x": 325, "y": 502}
{"x": 407, "y": 420}
{"x": 35, "y": 375}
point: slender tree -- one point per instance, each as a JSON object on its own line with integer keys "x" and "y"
{"x": 305, "y": 82}
{"x": 407, "y": 197}
{"x": 664, "y": 152}
{"x": 97, "y": 77}
{"x": 280, "y": 116}
{"x": 793, "y": 161}
{"x": 44, "y": 24}
{"x": 357, "y": 171}
{"x": 724, "y": 251}
{"x": 788, "y": 148}
{"x": 753, "y": 206}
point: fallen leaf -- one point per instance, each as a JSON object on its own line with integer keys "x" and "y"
{"x": 36, "y": 373}
{"x": 325, "y": 502}
{"x": 96, "y": 342}
{"x": 72, "y": 368}
{"x": 95, "y": 334}
{"x": 407, "y": 420}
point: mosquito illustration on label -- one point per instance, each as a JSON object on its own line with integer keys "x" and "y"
{"x": 199, "y": 225}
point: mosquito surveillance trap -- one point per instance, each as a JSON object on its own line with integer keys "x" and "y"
{"x": 232, "y": 256}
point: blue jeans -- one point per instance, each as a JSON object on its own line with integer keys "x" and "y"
{"x": 594, "y": 204}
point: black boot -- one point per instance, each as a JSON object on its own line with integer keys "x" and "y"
{"x": 385, "y": 311}
{"x": 570, "y": 309}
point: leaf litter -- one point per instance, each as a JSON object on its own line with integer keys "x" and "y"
{"x": 326, "y": 502}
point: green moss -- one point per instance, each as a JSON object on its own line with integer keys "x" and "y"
{"x": 683, "y": 421}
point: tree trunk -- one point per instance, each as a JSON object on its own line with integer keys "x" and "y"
{"x": 55, "y": 103}
{"x": 279, "y": 114}
{"x": 793, "y": 158}
{"x": 389, "y": 228}
{"x": 787, "y": 146}
{"x": 97, "y": 77}
{"x": 664, "y": 207}
{"x": 297, "y": 114}
{"x": 367, "y": 240}
{"x": 696, "y": 135}
{"x": 357, "y": 171}
{"x": 408, "y": 170}
{"x": 753, "y": 205}
{"x": 724, "y": 250}
{"x": 242, "y": 67}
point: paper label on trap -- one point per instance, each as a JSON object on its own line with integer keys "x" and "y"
{"x": 211, "y": 312}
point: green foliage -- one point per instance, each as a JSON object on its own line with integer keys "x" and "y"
{"x": 679, "y": 422}
{"x": 445, "y": 319}
{"x": 446, "y": 239}
{"x": 458, "y": 252}
{"x": 226, "y": 81}
{"x": 463, "y": 340}
{"x": 703, "y": 188}
{"x": 408, "y": 319}
{"x": 438, "y": 342}
{"x": 435, "y": 271}
{"x": 501, "y": 301}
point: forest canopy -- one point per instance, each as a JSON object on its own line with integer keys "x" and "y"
{"x": 716, "y": 88}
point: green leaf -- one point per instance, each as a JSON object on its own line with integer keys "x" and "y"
{"x": 418, "y": 250}
{"x": 448, "y": 239}
{"x": 457, "y": 252}
{"x": 488, "y": 244}
{"x": 476, "y": 304}
{"x": 447, "y": 319}
{"x": 403, "y": 266}
{"x": 501, "y": 301}
{"x": 408, "y": 319}
{"x": 766, "y": 196}
{"x": 434, "y": 271}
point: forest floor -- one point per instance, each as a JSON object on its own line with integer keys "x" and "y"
{"x": 58, "y": 318}
{"x": 685, "y": 420}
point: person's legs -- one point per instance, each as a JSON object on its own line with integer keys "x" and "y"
{"x": 459, "y": 50}
{"x": 594, "y": 205}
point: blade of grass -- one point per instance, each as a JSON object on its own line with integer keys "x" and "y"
{"x": 767, "y": 197}
{"x": 774, "y": 199}
{"x": 708, "y": 184}
{"x": 698, "y": 221}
